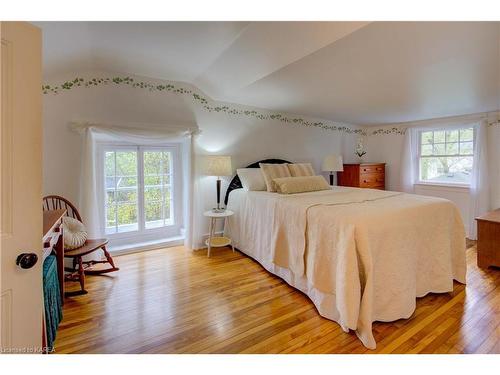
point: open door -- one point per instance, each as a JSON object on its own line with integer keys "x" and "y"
{"x": 20, "y": 188}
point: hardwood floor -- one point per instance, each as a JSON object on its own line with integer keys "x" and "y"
{"x": 176, "y": 301}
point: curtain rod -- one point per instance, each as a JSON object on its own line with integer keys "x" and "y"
{"x": 79, "y": 126}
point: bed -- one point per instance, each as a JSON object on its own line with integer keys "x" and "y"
{"x": 360, "y": 255}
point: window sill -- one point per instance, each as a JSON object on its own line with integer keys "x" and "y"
{"x": 146, "y": 246}
{"x": 443, "y": 185}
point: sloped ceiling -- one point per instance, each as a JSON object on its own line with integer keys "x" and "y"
{"x": 356, "y": 72}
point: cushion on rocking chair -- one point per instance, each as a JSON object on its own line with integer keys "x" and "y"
{"x": 75, "y": 233}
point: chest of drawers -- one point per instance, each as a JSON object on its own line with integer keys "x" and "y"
{"x": 363, "y": 175}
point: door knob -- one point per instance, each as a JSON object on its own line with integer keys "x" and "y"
{"x": 26, "y": 260}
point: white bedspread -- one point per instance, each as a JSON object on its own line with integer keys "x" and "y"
{"x": 361, "y": 255}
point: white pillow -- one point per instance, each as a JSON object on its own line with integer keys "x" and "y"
{"x": 75, "y": 233}
{"x": 251, "y": 179}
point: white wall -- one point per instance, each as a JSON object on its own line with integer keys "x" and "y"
{"x": 247, "y": 139}
{"x": 386, "y": 149}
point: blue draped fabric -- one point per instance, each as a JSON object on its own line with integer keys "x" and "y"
{"x": 52, "y": 300}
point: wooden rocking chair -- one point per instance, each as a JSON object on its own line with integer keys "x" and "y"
{"x": 55, "y": 202}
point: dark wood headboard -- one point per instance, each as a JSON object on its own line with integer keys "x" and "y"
{"x": 236, "y": 183}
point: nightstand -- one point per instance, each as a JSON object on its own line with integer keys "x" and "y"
{"x": 218, "y": 241}
{"x": 488, "y": 239}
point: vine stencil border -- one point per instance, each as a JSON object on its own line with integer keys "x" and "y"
{"x": 205, "y": 103}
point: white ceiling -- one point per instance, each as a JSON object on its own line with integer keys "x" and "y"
{"x": 357, "y": 72}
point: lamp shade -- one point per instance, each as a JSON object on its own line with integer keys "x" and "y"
{"x": 216, "y": 165}
{"x": 332, "y": 163}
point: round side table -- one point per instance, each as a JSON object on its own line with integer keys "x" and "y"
{"x": 218, "y": 241}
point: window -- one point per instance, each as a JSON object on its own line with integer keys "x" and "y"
{"x": 446, "y": 156}
{"x": 122, "y": 191}
{"x": 141, "y": 191}
{"x": 158, "y": 205}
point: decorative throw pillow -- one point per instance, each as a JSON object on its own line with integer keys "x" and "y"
{"x": 75, "y": 233}
{"x": 301, "y": 169}
{"x": 251, "y": 179}
{"x": 272, "y": 171}
{"x": 292, "y": 185}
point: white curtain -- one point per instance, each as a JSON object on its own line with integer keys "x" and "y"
{"x": 189, "y": 204}
{"x": 409, "y": 161}
{"x": 91, "y": 208}
{"x": 479, "y": 186}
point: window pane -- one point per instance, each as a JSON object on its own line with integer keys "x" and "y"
{"x": 109, "y": 163}
{"x": 439, "y": 149}
{"x": 110, "y": 182}
{"x": 126, "y": 196}
{"x": 446, "y": 169}
{"x": 121, "y": 191}
{"x": 466, "y": 148}
{"x": 153, "y": 215}
{"x": 110, "y": 197}
{"x": 466, "y": 135}
{"x": 166, "y": 163}
{"x": 427, "y": 137}
{"x": 152, "y": 162}
{"x": 127, "y": 217}
{"x": 166, "y": 179}
{"x": 439, "y": 136}
{"x": 110, "y": 218}
{"x": 452, "y": 136}
{"x": 168, "y": 197}
{"x": 167, "y": 194}
{"x": 168, "y": 213}
{"x": 452, "y": 148}
{"x": 156, "y": 162}
{"x": 154, "y": 207}
{"x": 126, "y": 182}
{"x": 152, "y": 180}
{"x": 126, "y": 163}
{"x": 156, "y": 180}
{"x": 427, "y": 149}
{"x": 152, "y": 194}
{"x": 157, "y": 188}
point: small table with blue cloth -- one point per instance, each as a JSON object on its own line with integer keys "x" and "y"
{"x": 52, "y": 300}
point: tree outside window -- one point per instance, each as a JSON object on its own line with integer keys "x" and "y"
{"x": 446, "y": 156}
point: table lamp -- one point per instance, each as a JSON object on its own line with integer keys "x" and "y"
{"x": 332, "y": 163}
{"x": 216, "y": 165}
